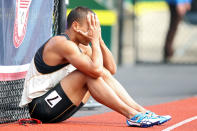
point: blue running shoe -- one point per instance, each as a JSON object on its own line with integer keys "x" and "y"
{"x": 163, "y": 119}
{"x": 142, "y": 120}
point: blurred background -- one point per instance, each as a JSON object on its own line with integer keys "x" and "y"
{"x": 135, "y": 30}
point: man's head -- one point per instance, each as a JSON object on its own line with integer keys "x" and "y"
{"x": 77, "y": 20}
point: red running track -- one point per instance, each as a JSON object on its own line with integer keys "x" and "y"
{"x": 183, "y": 112}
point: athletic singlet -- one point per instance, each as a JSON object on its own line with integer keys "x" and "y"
{"x": 41, "y": 66}
{"x": 41, "y": 77}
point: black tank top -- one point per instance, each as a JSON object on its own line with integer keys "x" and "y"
{"x": 39, "y": 62}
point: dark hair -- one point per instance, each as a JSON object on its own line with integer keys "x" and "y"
{"x": 77, "y": 14}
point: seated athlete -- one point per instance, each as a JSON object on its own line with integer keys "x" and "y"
{"x": 66, "y": 70}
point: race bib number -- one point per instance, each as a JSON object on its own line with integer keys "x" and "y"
{"x": 52, "y": 99}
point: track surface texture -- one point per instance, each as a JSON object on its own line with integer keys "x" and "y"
{"x": 183, "y": 112}
{"x": 164, "y": 89}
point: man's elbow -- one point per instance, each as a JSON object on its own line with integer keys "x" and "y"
{"x": 112, "y": 69}
{"x": 97, "y": 72}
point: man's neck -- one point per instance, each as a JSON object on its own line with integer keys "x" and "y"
{"x": 72, "y": 36}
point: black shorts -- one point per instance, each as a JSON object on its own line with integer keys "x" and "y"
{"x": 54, "y": 106}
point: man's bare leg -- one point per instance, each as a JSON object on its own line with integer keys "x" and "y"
{"x": 121, "y": 92}
{"x": 86, "y": 97}
{"x": 76, "y": 85}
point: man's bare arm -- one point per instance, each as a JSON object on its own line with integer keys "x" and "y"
{"x": 108, "y": 59}
{"x": 84, "y": 63}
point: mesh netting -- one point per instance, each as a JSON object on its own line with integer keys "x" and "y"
{"x": 10, "y": 95}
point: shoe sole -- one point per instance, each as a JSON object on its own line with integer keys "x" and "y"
{"x": 142, "y": 125}
{"x": 159, "y": 123}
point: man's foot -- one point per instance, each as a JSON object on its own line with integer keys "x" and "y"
{"x": 162, "y": 120}
{"x": 142, "y": 120}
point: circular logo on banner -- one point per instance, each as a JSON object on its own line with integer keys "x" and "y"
{"x": 21, "y": 18}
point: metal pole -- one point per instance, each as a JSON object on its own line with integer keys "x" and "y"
{"x": 134, "y": 33}
{"x": 120, "y": 32}
{"x": 61, "y": 17}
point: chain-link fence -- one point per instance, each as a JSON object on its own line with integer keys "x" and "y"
{"x": 10, "y": 95}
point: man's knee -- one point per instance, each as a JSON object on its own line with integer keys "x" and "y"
{"x": 106, "y": 73}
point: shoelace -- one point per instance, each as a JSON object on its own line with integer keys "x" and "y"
{"x": 152, "y": 114}
{"x": 142, "y": 117}
{"x": 145, "y": 120}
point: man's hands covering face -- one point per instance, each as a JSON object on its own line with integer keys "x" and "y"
{"x": 94, "y": 29}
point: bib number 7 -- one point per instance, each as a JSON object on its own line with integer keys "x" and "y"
{"x": 52, "y": 99}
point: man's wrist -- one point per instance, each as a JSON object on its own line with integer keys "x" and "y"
{"x": 94, "y": 41}
{"x": 101, "y": 42}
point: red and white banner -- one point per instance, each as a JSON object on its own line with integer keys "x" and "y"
{"x": 21, "y": 19}
{"x": 8, "y": 73}
{"x": 24, "y": 26}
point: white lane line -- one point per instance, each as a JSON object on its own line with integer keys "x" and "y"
{"x": 180, "y": 123}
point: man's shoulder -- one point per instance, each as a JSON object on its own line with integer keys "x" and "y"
{"x": 62, "y": 44}
{"x": 61, "y": 41}
{"x": 58, "y": 39}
